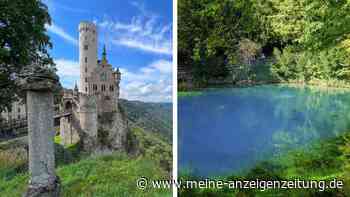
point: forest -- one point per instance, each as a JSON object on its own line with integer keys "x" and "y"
{"x": 291, "y": 40}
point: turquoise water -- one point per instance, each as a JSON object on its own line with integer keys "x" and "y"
{"x": 231, "y": 129}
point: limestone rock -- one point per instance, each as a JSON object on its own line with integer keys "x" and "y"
{"x": 113, "y": 130}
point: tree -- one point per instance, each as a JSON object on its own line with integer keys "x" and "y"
{"x": 23, "y": 42}
{"x": 210, "y": 32}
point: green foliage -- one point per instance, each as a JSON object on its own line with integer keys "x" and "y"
{"x": 185, "y": 94}
{"x": 295, "y": 64}
{"x": 310, "y": 39}
{"x": 153, "y": 117}
{"x": 83, "y": 175}
{"x": 183, "y": 86}
{"x": 23, "y": 42}
{"x": 316, "y": 34}
{"x": 152, "y": 146}
{"x": 209, "y": 33}
{"x": 326, "y": 160}
{"x": 346, "y": 159}
{"x": 110, "y": 175}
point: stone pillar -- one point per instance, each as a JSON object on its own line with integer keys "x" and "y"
{"x": 40, "y": 104}
{"x": 65, "y": 130}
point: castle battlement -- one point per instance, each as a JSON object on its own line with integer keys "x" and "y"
{"x": 87, "y": 26}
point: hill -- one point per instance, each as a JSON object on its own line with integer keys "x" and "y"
{"x": 154, "y": 117}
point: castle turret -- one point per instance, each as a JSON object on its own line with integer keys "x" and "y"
{"x": 87, "y": 54}
{"x": 104, "y": 55}
{"x": 117, "y": 81}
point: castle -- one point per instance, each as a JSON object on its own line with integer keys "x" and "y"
{"x": 97, "y": 77}
{"x": 90, "y": 113}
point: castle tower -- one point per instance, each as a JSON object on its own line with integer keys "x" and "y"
{"x": 87, "y": 55}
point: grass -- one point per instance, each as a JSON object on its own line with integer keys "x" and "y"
{"x": 111, "y": 175}
{"x": 81, "y": 175}
{"x": 189, "y": 93}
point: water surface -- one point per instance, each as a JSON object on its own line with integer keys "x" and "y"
{"x": 230, "y": 129}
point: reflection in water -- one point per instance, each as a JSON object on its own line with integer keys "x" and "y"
{"x": 228, "y": 130}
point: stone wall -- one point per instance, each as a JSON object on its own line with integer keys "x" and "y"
{"x": 18, "y": 111}
{"x": 88, "y": 121}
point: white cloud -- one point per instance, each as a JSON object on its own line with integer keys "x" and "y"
{"x": 143, "y": 32}
{"x": 163, "y": 66}
{"x": 68, "y": 71}
{"x": 150, "y": 46}
{"x": 54, "y": 7}
{"x": 152, "y": 83}
{"x": 60, "y": 32}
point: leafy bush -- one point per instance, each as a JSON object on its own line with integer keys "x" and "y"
{"x": 152, "y": 146}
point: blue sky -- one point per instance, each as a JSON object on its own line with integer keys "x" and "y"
{"x": 138, "y": 37}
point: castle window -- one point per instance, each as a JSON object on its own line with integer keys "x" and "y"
{"x": 19, "y": 110}
{"x": 85, "y": 59}
{"x": 85, "y": 79}
{"x": 85, "y": 89}
{"x": 103, "y": 76}
{"x": 103, "y": 87}
{"x": 111, "y": 88}
{"x": 94, "y": 87}
{"x": 18, "y": 117}
{"x": 86, "y": 69}
{"x": 86, "y": 47}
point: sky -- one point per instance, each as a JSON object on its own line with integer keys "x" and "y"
{"x": 138, "y": 39}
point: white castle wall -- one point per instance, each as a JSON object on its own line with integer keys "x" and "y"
{"x": 87, "y": 54}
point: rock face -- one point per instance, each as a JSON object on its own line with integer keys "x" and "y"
{"x": 112, "y": 131}
{"x": 94, "y": 130}
{"x": 88, "y": 122}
